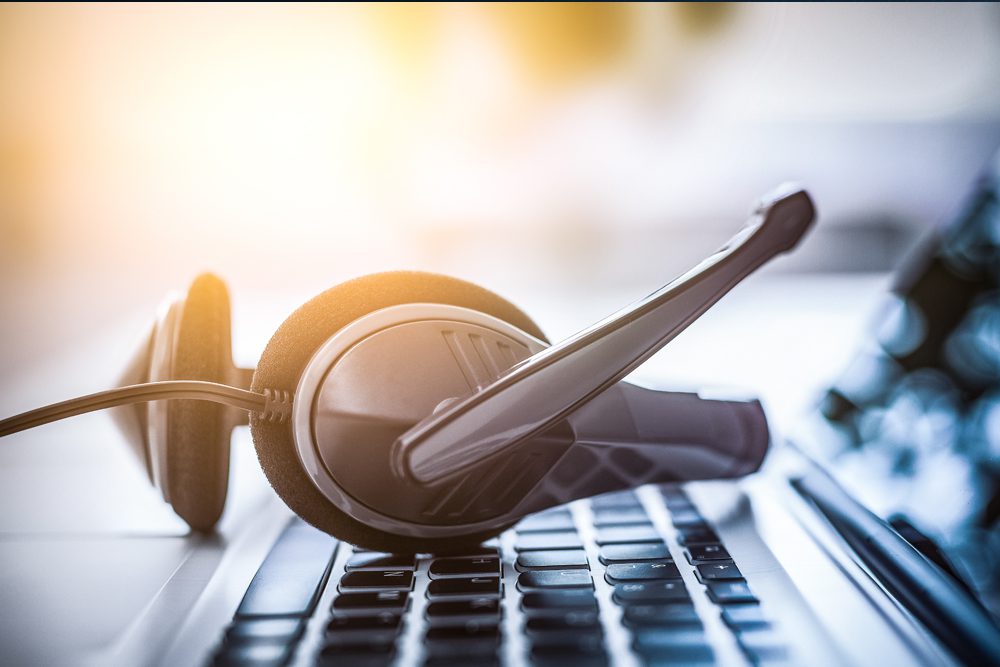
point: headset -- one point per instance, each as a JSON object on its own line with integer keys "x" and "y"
{"x": 413, "y": 412}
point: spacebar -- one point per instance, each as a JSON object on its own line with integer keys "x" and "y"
{"x": 288, "y": 583}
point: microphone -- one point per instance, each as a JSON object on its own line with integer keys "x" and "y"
{"x": 540, "y": 391}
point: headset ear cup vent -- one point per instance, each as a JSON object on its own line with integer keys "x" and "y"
{"x": 290, "y": 349}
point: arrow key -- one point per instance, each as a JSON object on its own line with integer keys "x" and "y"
{"x": 718, "y": 571}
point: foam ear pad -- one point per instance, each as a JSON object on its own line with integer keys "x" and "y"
{"x": 290, "y": 349}
{"x": 198, "y": 432}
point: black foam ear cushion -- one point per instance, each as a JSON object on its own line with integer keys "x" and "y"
{"x": 198, "y": 432}
{"x": 290, "y": 349}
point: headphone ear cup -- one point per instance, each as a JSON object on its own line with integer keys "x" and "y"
{"x": 198, "y": 433}
{"x": 184, "y": 444}
{"x": 290, "y": 349}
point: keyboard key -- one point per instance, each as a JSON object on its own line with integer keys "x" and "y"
{"x": 560, "y": 509}
{"x": 624, "y": 572}
{"x": 481, "y": 566}
{"x": 384, "y": 580}
{"x": 739, "y": 616}
{"x": 461, "y": 651}
{"x": 577, "y": 599}
{"x": 673, "y": 493}
{"x": 381, "y": 621}
{"x": 473, "y": 607}
{"x": 560, "y": 559}
{"x": 647, "y": 615}
{"x": 566, "y": 643}
{"x": 633, "y": 553}
{"x": 545, "y": 659}
{"x": 372, "y": 560}
{"x": 472, "y": 587}
{"x": 669, "y": 638}
{"x": 334, "y": 656}
{"x": 652, "y": 592}
{"x": 624, "y": 516}
{"x": 686, "y": 518}
{"x": 686, "y": 656}
{"x": 679, "y": 505}
{"x": 461, "y": 621}
{"x": 254, "y": 653}
{"x": 546, "y": 541}
{"x": 288, "y": 582}
{"x": 718, "y": 571}
{"x": 689, "y": 536}
{"x": 700, "y": 553}
{"x": 567, "y": 621}
{"x": 727, "y": 592}
{"x": 473, "y": 629}
{"x": 616, "y": 499}
{"x": 488, "y": 659}
{"x": 543, "y": 656}
{"x": 545, "y": 522}
{"x": 443, "y": 654}
{"x": 382, "y": 600}
{"x": 376, "y": 641}
{"x": 265, "y": 629}
{"x": 686, "y": 646}
{"x": 554, "y": 579}
{"x": 374, "y": 655}
{"x": 628, "y": 534}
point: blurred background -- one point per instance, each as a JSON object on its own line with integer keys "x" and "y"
{"x": 569, "y": 149}
{"x": 570, "y": 156}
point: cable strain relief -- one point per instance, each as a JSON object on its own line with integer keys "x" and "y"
{"x": 277, "y": 406}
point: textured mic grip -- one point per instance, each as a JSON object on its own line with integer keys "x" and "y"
{"x": 630, "y": 436}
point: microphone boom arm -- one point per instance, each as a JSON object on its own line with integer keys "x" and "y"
{"x": 550, "y": 385}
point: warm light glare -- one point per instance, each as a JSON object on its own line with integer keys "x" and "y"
{"x": 574, "y": 145}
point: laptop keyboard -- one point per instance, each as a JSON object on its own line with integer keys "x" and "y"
{"x": 529, "y": 597}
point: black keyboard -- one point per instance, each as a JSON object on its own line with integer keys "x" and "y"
{"x": 462, "y": 608}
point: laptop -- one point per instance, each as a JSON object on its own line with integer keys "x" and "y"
{"x": 870, "y": 537}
